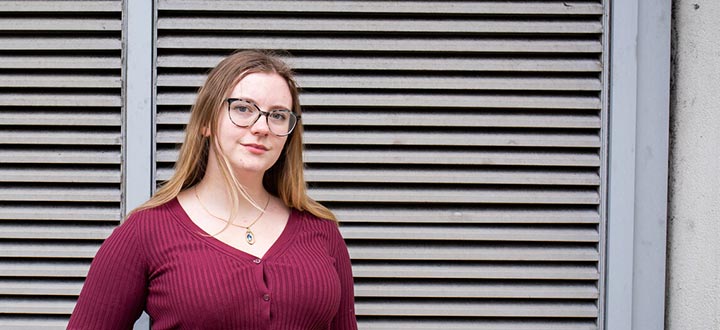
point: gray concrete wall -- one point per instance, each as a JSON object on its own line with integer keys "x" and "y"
{"x": 693, "y": 265}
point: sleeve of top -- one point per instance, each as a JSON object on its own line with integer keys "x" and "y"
{"x": 114, "y": 293}
{"x": 345, "y": 318}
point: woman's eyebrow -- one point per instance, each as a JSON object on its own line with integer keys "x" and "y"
{"x": 274, "y": 107}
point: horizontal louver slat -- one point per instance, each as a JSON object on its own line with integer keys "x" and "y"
{"x": 400, "y": 82}
{"x": 490, "y": 308}
{"x": 39, "y": 322}
{"x": 49, "y": 99}
{"x": 463, "y": 214}
{"x": 42, "y": 268}
{"x": 64, "y": 24}
{"x": 471, "y": 157}
{"x": 74, "y": 212}
{"x": 37, "y": 305}
{"x": 428, "y": 138}
{"x": 59, "y": 156}
{"x": 448, "y": 139}
{"x": 393, "y": 7}
{"x": 405, "y": 232}
{"x": 48, "y": 61}
{"x": 59, "y": 43}
{"x": 416, "y": 62}
{"x": 439, "y": 176}
{"x": 410, "y": 118}
{"x": 44, "y": 231}
{"x": 474, "y": 290}
{"x": 60, "y": 118}
{"x": 40, "y": 288}
{"x": 459, "y": 176}
{"x": 211, "y": 41}
{"x": 421, "y": 100}
{"x": 58, "y": 137}
{"x": 472, "y": 252}
{"x": 55, "y": 81}
{"x": 42, "y": 249}
{"x": 485, "y": 270}
{"x": 375, "y": 25}
{"x": 454, "y": 195}
{"x": 59, "y": 175}
{"x": 476, "y": 324}
{"x": 76, "y": 193}
{"x": 60, "y": 6}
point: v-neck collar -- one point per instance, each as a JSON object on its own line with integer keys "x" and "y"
{"x": 276, "y": 249}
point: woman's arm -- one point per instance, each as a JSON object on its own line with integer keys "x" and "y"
{"x": 115, "y": 289}
{"x": 345, "y": 318}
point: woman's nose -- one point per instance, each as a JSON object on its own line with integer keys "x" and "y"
{"x": 261, "y": 124}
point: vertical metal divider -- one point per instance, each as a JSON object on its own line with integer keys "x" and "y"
{"x": 621, "y": 164}
{"x": 604, "y": 153}
{"x": 138, "y": 109}
{"x": 637, "y": 170}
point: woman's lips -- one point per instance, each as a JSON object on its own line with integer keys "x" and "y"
{"x": 255, "y": 148}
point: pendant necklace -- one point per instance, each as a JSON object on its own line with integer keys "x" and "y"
{"x": 249, "y": 235}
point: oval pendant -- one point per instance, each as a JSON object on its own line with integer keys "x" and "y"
{"x": 250, "y": 237}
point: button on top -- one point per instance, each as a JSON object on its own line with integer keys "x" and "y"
{"x": 266, "y": 297}
{"x": 257, "y": 261}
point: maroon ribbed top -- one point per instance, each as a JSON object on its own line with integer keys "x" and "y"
{"x": 162, "y": 262}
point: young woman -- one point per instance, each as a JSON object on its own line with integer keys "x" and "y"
{"x": 231, "y": 241}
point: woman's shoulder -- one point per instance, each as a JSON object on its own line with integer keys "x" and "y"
{"x": 325, "y": 229}
{"x": 313, "y": 223}
{"x": 152, "y": 216}
{"x": 313, "y": 219}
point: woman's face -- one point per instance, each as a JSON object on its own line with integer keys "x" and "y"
{"x": 254, "y": 149}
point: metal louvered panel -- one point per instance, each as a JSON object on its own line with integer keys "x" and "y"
{"x": 60, "y": 152}
{"x": 460, "y": 143}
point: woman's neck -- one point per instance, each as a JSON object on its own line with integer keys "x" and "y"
{"x": 214, "y": 193}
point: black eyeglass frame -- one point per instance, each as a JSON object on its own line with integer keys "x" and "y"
{"x": 230, "y": 100}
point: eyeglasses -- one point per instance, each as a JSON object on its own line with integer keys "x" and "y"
{"x": 244, "y": 113}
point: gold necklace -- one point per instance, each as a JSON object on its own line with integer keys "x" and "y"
{"x": 249, "y": 235}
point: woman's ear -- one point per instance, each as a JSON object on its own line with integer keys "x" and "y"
{"x": 206, "y": 131}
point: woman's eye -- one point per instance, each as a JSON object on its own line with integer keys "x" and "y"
{"x": 241, "y": 109}
{"x": 278, "y": 116}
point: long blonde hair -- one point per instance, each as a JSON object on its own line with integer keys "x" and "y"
{"x": 285, "y": 179}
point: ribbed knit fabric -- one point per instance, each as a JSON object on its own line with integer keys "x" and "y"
{"x": 162, "y": 262}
